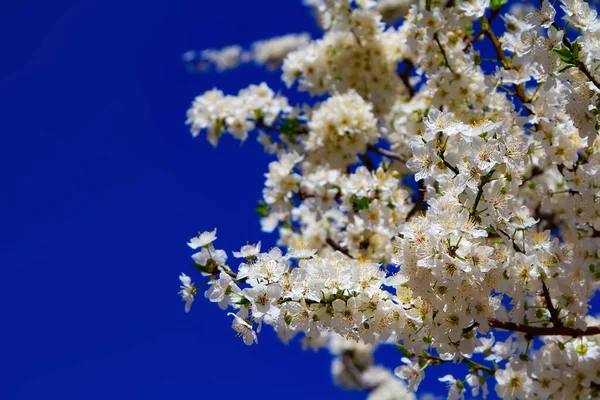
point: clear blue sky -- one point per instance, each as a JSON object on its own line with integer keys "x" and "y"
{"x": 102, "y": 186}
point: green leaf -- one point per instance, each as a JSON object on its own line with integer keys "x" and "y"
{"x": 258, "y": 114}
{"x": 566, "y": 55}
{"x": 496, "y": 4}
{"x": 290, "y": 127}
{"x": 243, "y": 302}
{"x": 359, "y": 203}
{"x": 219, "y": 128}
{"x": 262, "y": 208}
{"x": 201, "y": 268}
{"x": 469, "y": 29}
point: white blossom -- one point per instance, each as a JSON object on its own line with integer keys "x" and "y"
{"x": 500, "y": 233}
{"x": 203, "y": 239}
{"x": 187, "y": 292}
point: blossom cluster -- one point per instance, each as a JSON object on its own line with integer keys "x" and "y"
{"x": 498, "y": 231}
{"x": 270, "y": 53}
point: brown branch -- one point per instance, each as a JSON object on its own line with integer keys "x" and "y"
{"x": 445, "y": 57}
{"x": 420, "y": 204}
{"x": 405, "y": 76}
{"x": 353, "y": 371}
{"x": 535, "y": 171}
{"x": 386, "y": 153}
{"x": 553, "y": 311}
{"x": 366, "y": 160}
{"x": 447, "y": 164}
{"x": 544, "y": 331}
{"x": 583, "y": 68}
{"x": 549, "y": 220}
{"x": 469, "y": 40}
{"x": 506, "y": 62}
{"x": 334, "y": 245}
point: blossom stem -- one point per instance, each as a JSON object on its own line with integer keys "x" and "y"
{"x": 437, "y": 40}
{"x": 448, "y": 165}
{"x": 482, "y": 182}
{"x": 470, "y": 363}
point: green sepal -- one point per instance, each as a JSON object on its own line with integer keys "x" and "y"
{"x": 496, "y": 4}
{"x": 359, "y": 203}
{"x": 404, "y": 350}
{"x": 262, "y": 208}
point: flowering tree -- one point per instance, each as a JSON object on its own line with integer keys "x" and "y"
{"x": 499, "y": 236}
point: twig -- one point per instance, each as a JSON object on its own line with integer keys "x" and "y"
{"x": 386, "y": 153}
{"x": 367, "y": 162}
{"x": 334, "y": 245}
{"x": 437, "y": 40}
{"x": 544, "y": 331}
{"x": 553, "y": 312}
{"x": 420, "y": 203}
{"x": 506, "y": 62}
{"x": 535, "y": 171}
{"x": 583, "y": 68}
{"x": 353, "y": 371}
{"x": 405, "y": 76}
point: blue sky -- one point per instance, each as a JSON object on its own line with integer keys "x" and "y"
{"x": 102, "y": 188}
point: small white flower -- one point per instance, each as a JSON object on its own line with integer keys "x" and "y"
{"x": 301, "y": 253}
{"x": 543, "y": 16}
{"x": 209, "y": 253}
{"x": 203, "y": 239}
{"x": 410, "y": 372}
{"x": 220, "y": 289}
{"x": 474, "y": 8}
{"x": 477, "y": 384}
{"x": 512, "y": 384}
{"x": 244, "y": 329}
{"x": 456, "y": 389}
{"x": 248, "y": 251}
{"x": 188, "y": 291}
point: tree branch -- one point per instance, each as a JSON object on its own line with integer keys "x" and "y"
{"x": 353, "y": 370}
{"x": 535, "y": 171}
{"x": 420, "y": 203}
{"x": 471, "y": 39}
{"x": 405, "y": 76}
{"x": 386, "y": 153}
{"x": 583, "y": 68}
{"x": 544, "y": 331}
{"x": 446, "y": 63}
{"x": 506, "y": 62}
{"x": 553, "y": 312}
{"x": 366, "y": 160}
{"x": 337, "y": 247}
